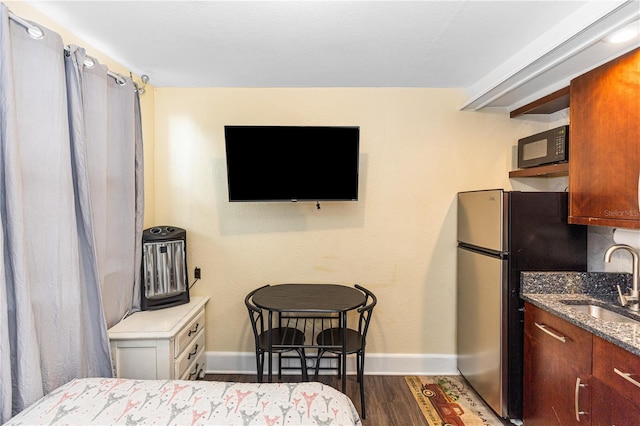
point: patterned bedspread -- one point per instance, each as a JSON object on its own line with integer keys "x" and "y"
{"x": 174, "y": 402}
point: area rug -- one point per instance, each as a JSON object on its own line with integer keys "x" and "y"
{"x": 448, "y": 400}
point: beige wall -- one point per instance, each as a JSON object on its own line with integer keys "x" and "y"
{"x": 417, "y": 151}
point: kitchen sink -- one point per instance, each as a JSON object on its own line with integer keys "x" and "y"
{"x": 600, "y": 312}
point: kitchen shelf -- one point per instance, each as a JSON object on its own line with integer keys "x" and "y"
{"x": 554, "y": 102}
{"x": 547, "y": 170}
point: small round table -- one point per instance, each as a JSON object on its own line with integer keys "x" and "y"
{"x": 310, "y": 299}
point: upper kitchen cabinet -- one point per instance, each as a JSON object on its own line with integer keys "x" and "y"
{"x": 604, "y": 156}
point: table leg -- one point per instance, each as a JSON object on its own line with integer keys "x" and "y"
{"x": 270, "y": 372}
{"x": 343, "y": 324}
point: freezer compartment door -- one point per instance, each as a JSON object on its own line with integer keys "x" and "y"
{"x": 480, "y": 334}
{"x": 480, "y": 219}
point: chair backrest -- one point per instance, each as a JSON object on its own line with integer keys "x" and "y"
{"x": 365, "y": 311}
{"x": 255, "y": 314}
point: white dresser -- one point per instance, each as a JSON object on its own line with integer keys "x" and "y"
{"x": 162, "y": 344}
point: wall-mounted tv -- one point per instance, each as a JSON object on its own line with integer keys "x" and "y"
{"x": 292, "y": 163}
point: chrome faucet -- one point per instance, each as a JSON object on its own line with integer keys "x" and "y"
{"x": 633, "y": 298}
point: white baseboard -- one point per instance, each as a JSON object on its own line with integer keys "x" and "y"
{"x": 375, "y": 364}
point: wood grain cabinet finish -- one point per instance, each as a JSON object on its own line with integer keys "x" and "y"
{"x": 609, "y": 409}
{"x": 557, "y": 370}
{"x": 604, "y": 141}
{"x": 616, "y": 385}
{"x": 572, "y": 377}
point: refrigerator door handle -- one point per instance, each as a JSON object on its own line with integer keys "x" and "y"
{"x": 551, "y": 333}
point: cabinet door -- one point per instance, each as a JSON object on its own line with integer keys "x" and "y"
{"x": 610, "y": 408}
{"x": 604, "y": 154}
{"x": 617, "y": 368}
{"x": 557, "y": 360}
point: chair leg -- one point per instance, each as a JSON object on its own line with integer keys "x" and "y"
{"x": 259, "y": 365}
{"x": 360, "y": 372}
{"x": 279, "y": 366}
{"x": 303, "y": 365}
{"x": 319, "y": 357}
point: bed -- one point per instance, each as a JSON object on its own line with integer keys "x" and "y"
{"x": 174, "y": 402}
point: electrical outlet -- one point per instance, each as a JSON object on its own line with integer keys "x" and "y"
{"x": 196, "y": 273}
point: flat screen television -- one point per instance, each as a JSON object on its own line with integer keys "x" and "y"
{"x": 292, "y": 163}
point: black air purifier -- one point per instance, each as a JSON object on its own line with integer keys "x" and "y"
{"x": 164, "y": 268}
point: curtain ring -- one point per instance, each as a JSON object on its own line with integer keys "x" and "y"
{"x": 35, "y": 32}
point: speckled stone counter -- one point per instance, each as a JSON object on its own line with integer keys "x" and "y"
{"x": 547, "y": 290}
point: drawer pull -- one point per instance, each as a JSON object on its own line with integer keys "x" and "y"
{"x": 195, "y": 373}
{"x": 576, "y": 398}
{"x": 626, "y": 376}
{"x": 195, "y": 350}
{"x": 195, "y": 329}
{"x": 551, "y": 333}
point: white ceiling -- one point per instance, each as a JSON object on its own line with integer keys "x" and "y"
{"x": 467, "y": 44}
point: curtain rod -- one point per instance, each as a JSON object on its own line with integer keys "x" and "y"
{"x": 37, "y": 33}
{"x": 33, "y": 30}
{"x": 89, "y": 62}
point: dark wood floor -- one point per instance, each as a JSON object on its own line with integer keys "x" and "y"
{"x": 389, "y": 401}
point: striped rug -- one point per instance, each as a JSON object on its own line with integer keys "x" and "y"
{"x": 447, "y": 400}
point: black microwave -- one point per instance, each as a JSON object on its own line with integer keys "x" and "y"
{"x": 547, "y": 147}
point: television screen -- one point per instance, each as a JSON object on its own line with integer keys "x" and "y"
{"x": 292, "y": 163}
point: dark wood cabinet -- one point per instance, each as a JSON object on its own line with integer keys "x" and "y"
{"x": 557, "y": 370}
{"x": 612, "y": 409}
{"x": 572, "y": 377}
{"x": 604, "y": 154}
{"x": 615, "y": 385}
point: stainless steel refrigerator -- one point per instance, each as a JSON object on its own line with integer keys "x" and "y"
{"x": 500, "y": 234}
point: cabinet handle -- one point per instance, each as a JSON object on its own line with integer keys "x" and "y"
{"x": 195, "y": 372}
{"x": 195, "y": 350}
{"x": 551, "y": 333}
{"x": 577, "y": 394}
{"x": 194, "y": 330}
{"x": 626, "y": 376}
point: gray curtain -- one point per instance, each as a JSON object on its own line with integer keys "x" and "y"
{"x": 70, "y": 209}
{"x": 105, "y": 123}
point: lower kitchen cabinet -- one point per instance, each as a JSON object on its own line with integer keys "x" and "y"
{"x": 572, "y": 377}
{"x": 616, "y": 385}
{"x": 161, "y": 344}
{"x": 612, "y": 409}
{"x": 557, "y": 369}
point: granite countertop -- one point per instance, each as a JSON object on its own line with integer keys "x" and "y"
{"x": 547, "y": 289}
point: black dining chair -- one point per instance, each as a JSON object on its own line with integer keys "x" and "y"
{"x": 356, "y": 340}
{"x": 291, "y": 337}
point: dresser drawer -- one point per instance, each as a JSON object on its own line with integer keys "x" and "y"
{"x": 616, "y": 367}
{"x": 188, "y": 334}
{"x": 196, "y": 368}
{"x": 189, "y": 355}
{"x": 157, "y": 344}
